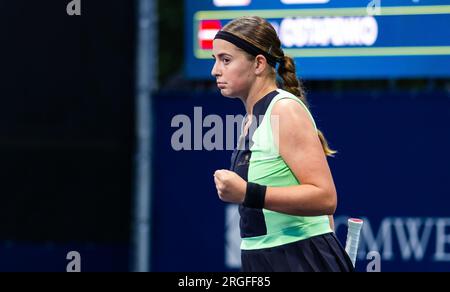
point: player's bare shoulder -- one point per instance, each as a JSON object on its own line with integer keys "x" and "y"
{"x": 291, "y": 116}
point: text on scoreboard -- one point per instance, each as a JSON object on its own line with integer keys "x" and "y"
{"x": 333, "y": 39}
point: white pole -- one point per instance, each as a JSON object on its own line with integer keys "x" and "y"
{"x": 146, "y": 68}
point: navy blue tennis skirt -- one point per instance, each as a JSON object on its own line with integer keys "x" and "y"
{"x": 322, "y": 253}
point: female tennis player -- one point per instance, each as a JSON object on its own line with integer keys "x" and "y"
{"x": 279, "y": 173}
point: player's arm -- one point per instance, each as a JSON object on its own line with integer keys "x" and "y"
{"x": 300, "y": 147}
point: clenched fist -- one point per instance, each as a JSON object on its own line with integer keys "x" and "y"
{"x": 230, "y": 186}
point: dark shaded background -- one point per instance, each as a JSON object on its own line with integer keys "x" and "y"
{"x": 66, "y": 121}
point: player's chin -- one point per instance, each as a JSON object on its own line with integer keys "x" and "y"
{"x": 227, "y": 93}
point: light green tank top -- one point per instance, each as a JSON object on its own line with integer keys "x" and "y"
{"x": 267, "y": 167}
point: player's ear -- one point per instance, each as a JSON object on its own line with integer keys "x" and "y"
{"x": 260, "y": 64}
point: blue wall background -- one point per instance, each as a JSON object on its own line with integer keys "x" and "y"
{"x": 392, "y": 164}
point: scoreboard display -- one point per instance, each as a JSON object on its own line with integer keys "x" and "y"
{"x": 334, "y": 39}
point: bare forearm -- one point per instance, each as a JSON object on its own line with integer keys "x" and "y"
{"x": 302, "y": 200}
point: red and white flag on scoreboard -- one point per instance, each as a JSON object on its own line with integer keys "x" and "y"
{"x": 206, "y": 33}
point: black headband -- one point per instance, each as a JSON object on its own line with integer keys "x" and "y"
{"x": 248, "y": 47}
